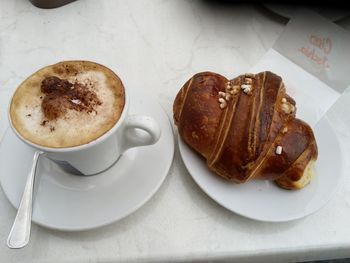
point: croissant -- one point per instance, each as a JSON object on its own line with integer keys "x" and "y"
{"x": 246, "y": 128}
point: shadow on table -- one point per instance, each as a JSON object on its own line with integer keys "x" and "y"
{"x": 281, "y": 11}
{"x": 343, "y": 260}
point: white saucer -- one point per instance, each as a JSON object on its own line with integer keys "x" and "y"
{"x": 69, "y": 202}
{"x": 263, "y": 200}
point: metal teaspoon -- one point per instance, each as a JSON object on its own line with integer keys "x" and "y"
{"x": 20, "y": 231}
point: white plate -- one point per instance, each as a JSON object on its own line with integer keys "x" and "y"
{"x": 263, "y": 200}
{"x": 69, "y": 202}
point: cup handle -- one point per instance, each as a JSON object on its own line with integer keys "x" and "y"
{"x": 139, "y": 131}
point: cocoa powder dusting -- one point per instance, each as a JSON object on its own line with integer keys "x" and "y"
{"x": 54, "y": 84}
{"x": 61, "y": 95}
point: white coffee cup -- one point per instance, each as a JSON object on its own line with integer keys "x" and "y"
{"x": 100, "y": 154}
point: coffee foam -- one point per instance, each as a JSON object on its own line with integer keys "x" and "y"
{"x": 74, "y": 127}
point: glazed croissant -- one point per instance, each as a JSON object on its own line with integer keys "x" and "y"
{"x": 246, "y": 128}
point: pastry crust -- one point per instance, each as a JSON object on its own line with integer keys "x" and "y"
{"x": 252, "y": 133}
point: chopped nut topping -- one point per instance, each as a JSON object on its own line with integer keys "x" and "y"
{"x": 222, "y": 100}
{"x": 279, "y": 150}
{"x": 223, "y": 105}
{"x": 221, "y": 94}
{"x": 285, "y": 129}
{"x": 247, "y": 90}
{"x": 284, "y": 100}
{"x": 286, "y": 108}
{"x": 227, "y": 97}
{"x": 246, "y": 86}
{"x": 76, "y": 101}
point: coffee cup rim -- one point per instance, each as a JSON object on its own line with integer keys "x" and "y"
{"x": 76, "y": 148}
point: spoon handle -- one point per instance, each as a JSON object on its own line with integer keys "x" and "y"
{"x": 20, "y": 231}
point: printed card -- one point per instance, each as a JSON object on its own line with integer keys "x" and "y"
{"x": 312, "y": 56}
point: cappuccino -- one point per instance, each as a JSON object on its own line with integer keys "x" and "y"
{"x": 67, "y": 104}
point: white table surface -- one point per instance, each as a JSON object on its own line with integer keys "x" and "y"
{"x": 156, "y": 46}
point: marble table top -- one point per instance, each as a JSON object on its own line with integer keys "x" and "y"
{"x": 155, "y": 46}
